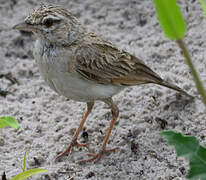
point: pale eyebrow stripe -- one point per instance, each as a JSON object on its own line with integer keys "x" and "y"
{"x": 53, "y": 16}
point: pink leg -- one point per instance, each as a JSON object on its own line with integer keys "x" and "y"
{"x": 115, "y": 113}
{"x": 76, "y": 134}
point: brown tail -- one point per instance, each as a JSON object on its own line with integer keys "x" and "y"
{"x": 174, "y": 87}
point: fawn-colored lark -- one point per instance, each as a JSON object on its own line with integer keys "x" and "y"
{"x": 82, "y": 66}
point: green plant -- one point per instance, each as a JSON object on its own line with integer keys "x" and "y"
{"x": 12, "y": 122}
{"x": 203, "y": 4}
{"x": 174, "y": 27}
{"x": 27, "y": 173}
{"x": 189, "y": 147}
{"x": 8, "y": 121}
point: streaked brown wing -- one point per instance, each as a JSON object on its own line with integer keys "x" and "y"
{"x": 102, "y": 63}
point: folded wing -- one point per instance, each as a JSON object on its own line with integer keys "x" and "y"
{"x": 103, "y": 63}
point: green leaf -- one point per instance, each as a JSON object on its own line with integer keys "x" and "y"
{"x": 28, "y": 173}
{"x": 185, "y": 145}
{"x": 170, "y": 19}
{"x": 24, "y": 162}
{"x": 203, "y": 4}
{"x": 189, "y": 147}
{"x": 198, "y": 165}
{"x": 6, "y": 121}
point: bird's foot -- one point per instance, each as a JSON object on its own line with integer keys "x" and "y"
{"x": 97, "y": 157}
{"x": 69, "y": 150}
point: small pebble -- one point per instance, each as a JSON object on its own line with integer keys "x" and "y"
{"x": 2, "y": 142}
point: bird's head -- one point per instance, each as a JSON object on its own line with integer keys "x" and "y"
{"x": 52, "y": 24}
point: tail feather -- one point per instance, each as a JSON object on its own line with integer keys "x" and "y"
{"x": 174, "y": 87}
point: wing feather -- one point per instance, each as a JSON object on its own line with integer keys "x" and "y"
{"x": 102, "y": 63}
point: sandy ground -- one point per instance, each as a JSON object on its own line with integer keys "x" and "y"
{"x": 48, "y": 121}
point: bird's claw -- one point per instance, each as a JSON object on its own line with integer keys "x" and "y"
{"x": 97, "y": 157}
{"x": 69, "y": 150}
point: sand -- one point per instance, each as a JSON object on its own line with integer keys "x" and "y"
{"x": 48, "y": 121}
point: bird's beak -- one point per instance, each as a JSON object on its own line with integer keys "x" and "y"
{"x": 24, "y": 27}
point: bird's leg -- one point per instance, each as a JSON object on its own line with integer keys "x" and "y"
{"x": 115, "y": 113}
{"x": 76, "y": 134}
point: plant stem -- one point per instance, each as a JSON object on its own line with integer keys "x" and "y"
{"x": 193, "y": 71}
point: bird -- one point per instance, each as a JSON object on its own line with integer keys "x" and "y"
{"x": 83, "y": 66}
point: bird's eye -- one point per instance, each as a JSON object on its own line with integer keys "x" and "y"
{"x": 48, "y": 22}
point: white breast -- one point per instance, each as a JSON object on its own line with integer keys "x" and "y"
{"x": 52, "y": 69}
